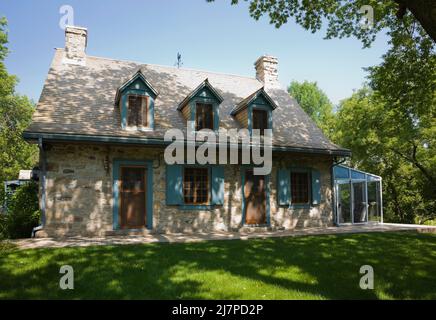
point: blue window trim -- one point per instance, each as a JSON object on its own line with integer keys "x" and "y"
{"x": 204, "y": 93}
{"x": 255, "y": 106}
{"x": 215, "y": 107}
{"x": 208, "y": 206}
{"x": 187, "y": 207}
{"x": 204, "y": 206}
{"x": 139, "y": 92}
{"x": 302, "y": 205}
{"x": 117, "y": 163}
{"x": 244, "y": 168}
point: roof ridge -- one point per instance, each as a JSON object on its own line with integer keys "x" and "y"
{"x": 171, "y": 67}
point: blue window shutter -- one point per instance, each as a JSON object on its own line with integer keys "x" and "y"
{"x": 174, "y": 194}
{"x": 216, "y": 117}
{"x": 283, "y": 187}
{"x": 316, "y": 187}
{"x": 217, "y": 185}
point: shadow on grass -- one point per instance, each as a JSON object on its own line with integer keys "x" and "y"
{"x": 319, "y": 267}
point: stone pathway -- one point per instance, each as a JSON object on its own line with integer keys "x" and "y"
{"x": 195, "y": 237}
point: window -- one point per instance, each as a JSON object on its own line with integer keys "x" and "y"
{"x": 300, "y": 187}
{"x": 203, "y": 116}
{"x": 260, "y": 120}
{"x": 196, "y": 186}
{"x": 137, "y": 111}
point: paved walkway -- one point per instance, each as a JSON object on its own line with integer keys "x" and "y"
{"x": 195, "y": 237}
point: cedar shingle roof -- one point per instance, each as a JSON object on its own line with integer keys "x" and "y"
{"x": 80, "y": 100}
{"x": 245, "y": 102}
{"x": 202, "y": 85}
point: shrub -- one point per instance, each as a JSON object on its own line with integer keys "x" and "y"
{"x": 22, "y": 212}
{"x": 6, "y": 246}
{"x": 3, "y": 231}
{"x": 3, "y": 228}
{"x": 2, "y": 199}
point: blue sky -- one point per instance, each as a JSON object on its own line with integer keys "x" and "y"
{"x": 210, "y": 36}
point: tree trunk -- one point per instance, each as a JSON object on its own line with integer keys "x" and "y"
{"x": 424, "y": 11}
{"x": 397, "y": 206}
{"x": 414, "y": 161}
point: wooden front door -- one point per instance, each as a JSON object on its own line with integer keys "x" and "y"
{"x": 132, "y": 195}
{"x": 255, "y": 198}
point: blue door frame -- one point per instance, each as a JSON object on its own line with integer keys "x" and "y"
{"x": 148, "y": 164}
{"x": 267, "y": 190}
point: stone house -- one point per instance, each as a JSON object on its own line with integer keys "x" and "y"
{"x": 100, "y": 126}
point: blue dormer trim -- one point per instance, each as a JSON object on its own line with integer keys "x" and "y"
{"x": 260, "y": 103}
{"x": 139, "y": 86}
{"x": 259, "y": 107}
{"x": 204, "y": 90}
{"x": 258, "y": 100}
{"x": 204, "y": 93}
{"x": 259, "y": 97}
{"x": 204, "y": 97}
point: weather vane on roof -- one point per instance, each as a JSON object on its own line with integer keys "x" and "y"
{"x": 179, "y": 62}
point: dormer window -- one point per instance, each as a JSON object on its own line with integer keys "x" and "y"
{"x": 201, "y": 106}
{"x": 137, "y": 109}
{"x": 255, "y": 111}
{"x": 135, "y": 100}
{"x": 260, "y": 120}
{"x": 204, "y": 116}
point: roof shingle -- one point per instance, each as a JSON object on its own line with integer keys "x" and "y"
{"x": 80, "y": 99}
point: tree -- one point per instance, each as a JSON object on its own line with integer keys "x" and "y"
{"x": 391, "y": 125}
{"x": 411, "y": 97}
{"x": 15, "y": 116}
{"x": 364, "y": 125}
{"x": 314, "y": 102}
{"x": 344, "y": 17}
{"x": 423, "y": 10}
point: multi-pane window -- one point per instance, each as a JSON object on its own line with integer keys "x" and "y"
{"x": 260, "y": 120}
{"x": 203, "y": 116}
{"x": 300, "y": 187}
{"x": 137, "y": 111}
{"x": 196, "y": 185}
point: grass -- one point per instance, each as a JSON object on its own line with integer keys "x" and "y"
{"x": 310, "y": 267}
{"x": 430, "y": 222}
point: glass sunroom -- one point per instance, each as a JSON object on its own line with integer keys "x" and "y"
{"x": 358, "y": 196}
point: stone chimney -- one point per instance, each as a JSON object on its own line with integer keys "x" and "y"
{"x": 76, "y": 39}
{"x": 266, "y": 71}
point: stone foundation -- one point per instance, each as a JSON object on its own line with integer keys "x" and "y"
{"x": 79, "y": 194}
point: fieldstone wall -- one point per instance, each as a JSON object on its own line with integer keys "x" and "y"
{"x": 79, "y": 194}
{"x": 316, "y": 216}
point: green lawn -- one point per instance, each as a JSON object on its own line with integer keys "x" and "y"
{"x": 311, "y": 267}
